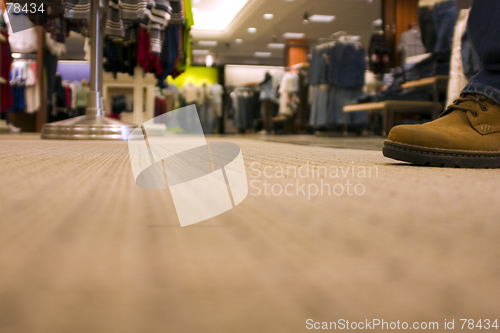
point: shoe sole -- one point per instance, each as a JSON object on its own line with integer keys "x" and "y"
{"x": 441, "y": 158}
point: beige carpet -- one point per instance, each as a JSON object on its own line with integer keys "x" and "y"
{"x": 83, "y": 249}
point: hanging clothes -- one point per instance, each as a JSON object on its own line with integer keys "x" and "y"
{"x": 31, "y": 92}
{"x": 5, "y": 89}
{"x": 118, "y": 104}
{"x": 170, "y": 52}
{"x": 217, "y": 93}
{"x": 303, "y": 95}
{"x": 339, "y": 75}
{"x": 246, "y": 109}
{"x": 205, "y": 110}
{"x": 289, "y": 86}
{"x": 160, "y": 106}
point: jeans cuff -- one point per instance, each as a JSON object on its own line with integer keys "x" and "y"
{"x": 474, "y": 88}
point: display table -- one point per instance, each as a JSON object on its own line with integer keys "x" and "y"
{"x": 439, "y": 85}
{"x": 388, "y": 109}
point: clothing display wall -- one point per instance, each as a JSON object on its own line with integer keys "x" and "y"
{"x": 24, "y": 88}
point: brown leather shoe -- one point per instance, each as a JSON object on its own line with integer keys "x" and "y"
{"x": 467, "y": 135}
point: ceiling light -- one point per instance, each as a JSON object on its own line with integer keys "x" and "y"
{"x": 239, "y": 41}
{"x": 252, "y": 30}
{"x": 209, "y": 61}
{"x": 306, "y": 19}
{"x": 224, "y": 12}
{"x": 262, "y": 54}
{"x": 268, "y": 16}
{"x": 277, "y": 46}
{"x": 196, "y": 2}
{"x": 16, "y": 55}
{"x": 322, "y": 18}
{"x": 200, "y": 52}
{"x": 208, "y": 43}
{"x": 294, "y": 35}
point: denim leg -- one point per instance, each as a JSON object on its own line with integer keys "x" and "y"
{"x": 445, "y": 19}
{"x": 426, "y": 23}
{"x": 323, "y": 106}
{"x": 331, "y": 117}
{"x": 485, "y": 36}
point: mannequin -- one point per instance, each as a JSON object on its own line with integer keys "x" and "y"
{"x": 205, "y": 110}
{"x": 379, "y": 50}
{"x": 266, "y": 97}
{"x": 217, "y": 93}
{"x": 189, "y": 92}
{"x": 411, "y": 43}
{"x": 81, "y": 97}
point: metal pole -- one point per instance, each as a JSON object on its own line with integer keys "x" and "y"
{"x": 94, "y": 103}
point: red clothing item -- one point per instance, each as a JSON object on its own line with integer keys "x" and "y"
{"x": 67, "y": 90}
{"x": 161, "y": 106}
{"x": 145, "y": 58}
{"x": 5, "y": 91}
{"x": 113, "y": 115}
{"x": 158, "y": 66}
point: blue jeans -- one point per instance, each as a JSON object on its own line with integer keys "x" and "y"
{"x": 340, "y": 97}
{"x": 426, "y": 23}
{"x": 445, "y": 19}
{"x": 319, "y": 107}
{"x": 485, "y": 37}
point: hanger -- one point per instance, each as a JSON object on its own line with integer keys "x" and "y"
{"x": 339, "y": 36}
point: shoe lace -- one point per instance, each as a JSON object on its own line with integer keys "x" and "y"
{"x": 478, "y": 99}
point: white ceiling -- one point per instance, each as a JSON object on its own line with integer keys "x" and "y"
{"x": 353, "y": 16}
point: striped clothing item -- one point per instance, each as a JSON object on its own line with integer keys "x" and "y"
{"x": 177, "y": 15}
{"x": 133, "y": 11}
{"x": 114, "y": 24}
{"x": 158, "y": 21}
{"x": 79, "y": 9}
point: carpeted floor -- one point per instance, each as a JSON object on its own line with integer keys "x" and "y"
{"x": 83, "y": 249}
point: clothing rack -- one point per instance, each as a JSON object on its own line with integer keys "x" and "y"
{"x": 93, "y": 125}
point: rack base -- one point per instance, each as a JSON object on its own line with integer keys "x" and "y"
{"x": 87, "y": 128}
